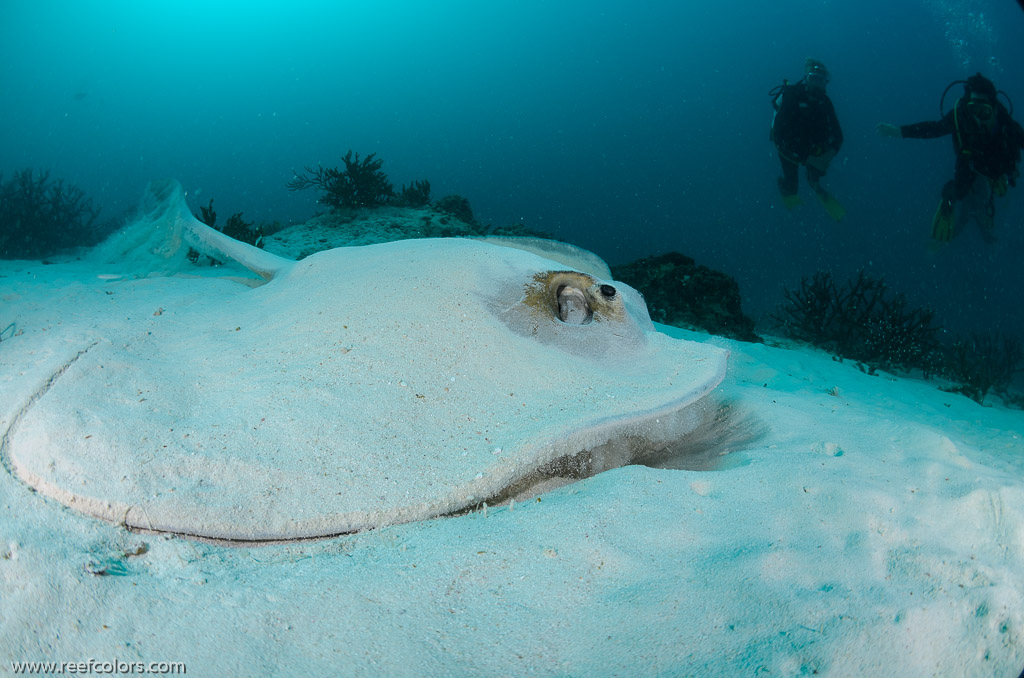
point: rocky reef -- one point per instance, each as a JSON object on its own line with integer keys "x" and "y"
{"x": 681, "y": 293}
{"x": 367, "y": 226}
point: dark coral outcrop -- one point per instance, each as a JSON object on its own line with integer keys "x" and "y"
{"x": 681, "y": 293}
{"x": 456, "y": 206}
{"x": 40, "y": 216}
{"x": 416, "y": 194}
{"x": 982, "y": 363}
{"x": 361, "y": 184}
{"x": 862, "y": 320}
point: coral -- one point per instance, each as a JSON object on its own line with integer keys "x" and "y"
{"x": 679, "y": 292}
{"x": 361, "y": 184}
{"x": 416, "y": 195}
{"x": 983, "y": 363}
{"x": 40, "y": 216}
{"x": 207, "y": 214}
{"x": 456, "y": 206}
{"x": 236, "y": 228}
{"x": 244, "y": 231}
{"x": 861, "y": 321}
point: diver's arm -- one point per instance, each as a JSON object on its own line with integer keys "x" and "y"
{"x": 929, "y": 129}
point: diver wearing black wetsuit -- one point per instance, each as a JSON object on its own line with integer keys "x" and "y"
{"x": 987, "y": 142}
{"x": 806, "y": 131}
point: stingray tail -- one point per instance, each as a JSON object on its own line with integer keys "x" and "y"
{"x": 160, "y": 237}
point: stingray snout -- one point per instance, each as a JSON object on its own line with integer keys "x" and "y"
{"x": 573, "y": 301}
{"x": 575, "y": 298}
{"x": 573, "y": 307}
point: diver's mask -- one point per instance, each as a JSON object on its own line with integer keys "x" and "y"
{"x": 981, "y": 110}
{"x": 817, "y": 76}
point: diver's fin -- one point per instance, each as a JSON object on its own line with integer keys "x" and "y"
{"x": 834, "y": 208}
{"x": 791, "y": 201}
{"x": 942, "y": 224}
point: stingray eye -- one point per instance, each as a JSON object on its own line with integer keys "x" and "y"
{"x": 573, "y": 308}
{"x": 608, "y": 292}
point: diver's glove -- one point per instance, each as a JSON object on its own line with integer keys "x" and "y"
{"x": 887, "y": 130}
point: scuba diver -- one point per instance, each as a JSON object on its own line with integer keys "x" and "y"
{"x": 806, "y": 131}
{"x": 987, "y": 142}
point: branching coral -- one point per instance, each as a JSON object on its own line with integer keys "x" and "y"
{"x": 360, "y": 184}
{"x": 207, "y": 214}
{"x": 245, "y": 231}
{"x": 416, "y": 195}
{"x": 40, "y": 216}
{"x": 983, "y": 363}
{"x": 861, "y": 321}
{"x": 237, "y": 228}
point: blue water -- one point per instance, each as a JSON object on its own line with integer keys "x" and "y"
{"x": 627, "y": 128}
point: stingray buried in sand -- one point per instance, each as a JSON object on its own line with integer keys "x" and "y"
{"x": 358, "y": 387}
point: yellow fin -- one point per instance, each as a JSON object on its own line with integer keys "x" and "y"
{"x": 942, "y": 224}
{"x": 834, "y": 208}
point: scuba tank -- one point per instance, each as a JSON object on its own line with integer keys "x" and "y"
{"x": 777, "y": 93}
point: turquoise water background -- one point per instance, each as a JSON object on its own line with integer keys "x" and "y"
{"x": 627, "y": 128}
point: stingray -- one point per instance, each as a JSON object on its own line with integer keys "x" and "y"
{"x": 356, "y": 388}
